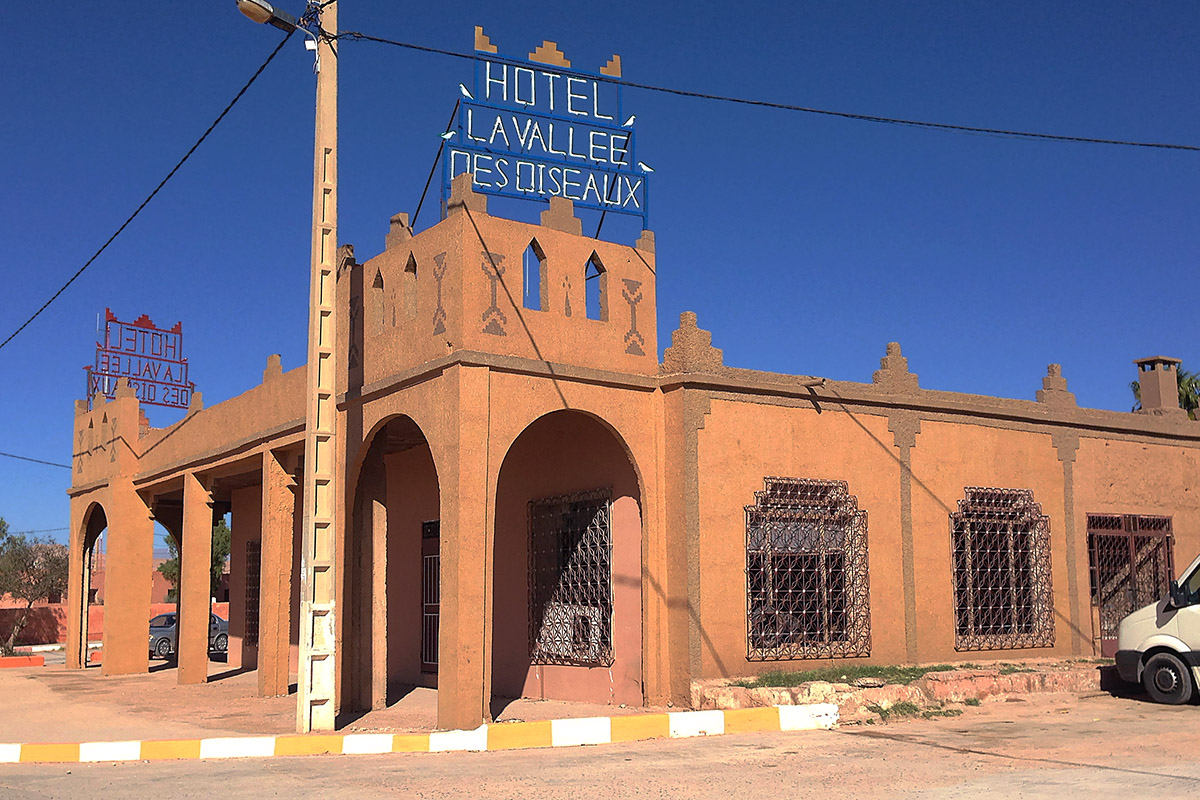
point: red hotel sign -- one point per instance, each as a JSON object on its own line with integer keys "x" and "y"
{"x": 151, "y": 358}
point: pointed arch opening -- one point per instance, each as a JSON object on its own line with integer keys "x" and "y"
{"x": 410, "y": 287}
{"x": 533, "y": 272}
{"x": 595, "y": 281}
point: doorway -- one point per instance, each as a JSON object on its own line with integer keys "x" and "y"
{"x": 1131, "y": 565}
{"x": 431, "y": 596}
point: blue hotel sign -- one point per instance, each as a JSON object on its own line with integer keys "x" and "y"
{"x": 534, "y": 130}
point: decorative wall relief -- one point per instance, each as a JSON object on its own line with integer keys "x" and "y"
{"x": 493, "y": 316}
{"x": 633, "y": 338}
{"x": 439, "y": 272}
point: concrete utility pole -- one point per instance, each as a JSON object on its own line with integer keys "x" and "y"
{"x": 317, "y": 678}
{"x": 315, "y": 683}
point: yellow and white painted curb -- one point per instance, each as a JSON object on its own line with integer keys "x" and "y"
{"x": 495, "y": 736}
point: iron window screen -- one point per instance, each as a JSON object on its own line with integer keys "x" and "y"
{"x": 253, "y": 590}
{"x": 807, "y": 588}
{"x": 570, "y": 579}
{"x": 1003, "y": 595}
{"x": 1131, "y": 564}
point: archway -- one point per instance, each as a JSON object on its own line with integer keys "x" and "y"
{"x": 567, "y": 557}
{"x": 393, "y": 580}
{"x": 95, "y": 527}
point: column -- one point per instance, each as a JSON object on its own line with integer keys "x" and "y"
{"x": 464, "y": 647}
{"x": 128, "y": 574}
{"x": 275, "y": 593}
{"x": 195, "y": 589}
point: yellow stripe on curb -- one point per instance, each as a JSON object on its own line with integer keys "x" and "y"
{"x": 515, "y": 735}
{"x": 496, "y": 736}
{"x": 640, "y": 726}
{"x": 751, "y": 720}
{"x": 50, "y": 753}
{"x": 410, "y": 743}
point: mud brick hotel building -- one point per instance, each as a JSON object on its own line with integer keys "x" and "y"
{"x": 532, "y": 504}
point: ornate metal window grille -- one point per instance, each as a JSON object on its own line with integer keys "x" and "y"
{"x": 570, "y": 579}
{"x": 807, "y": 592}
{"x": 1131, "y": 564}
{"x": 1003, "y": 596}
{"x": 253, "y": 584}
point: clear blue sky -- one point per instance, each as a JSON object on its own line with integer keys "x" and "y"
{"x": 804, "y": 243}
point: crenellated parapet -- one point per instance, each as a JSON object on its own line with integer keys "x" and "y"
{"x": 480, "y": 283}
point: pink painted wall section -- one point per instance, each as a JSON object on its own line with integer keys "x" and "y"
{"x": 412, "y": 498}
{"x": 560, "y": 454}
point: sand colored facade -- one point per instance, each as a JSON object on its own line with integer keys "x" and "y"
{"x": 532, "y": 504}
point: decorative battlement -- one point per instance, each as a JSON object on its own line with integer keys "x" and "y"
{"x": 545, "y": 53}
{"x": 481, "y": 283}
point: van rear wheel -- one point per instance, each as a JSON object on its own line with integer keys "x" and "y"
{"x": 1167, "y": 680}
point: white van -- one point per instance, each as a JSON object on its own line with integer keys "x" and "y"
{"x": 1159, "y": 645}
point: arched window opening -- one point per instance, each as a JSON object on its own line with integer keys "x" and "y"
{"x": 806, "y": 572}
{"x": 595, "y": 281}
{"x": 533, "y": 271}
{"x": 1003, "y": 598}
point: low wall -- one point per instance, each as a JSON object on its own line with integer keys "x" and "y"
{"x": 48, "y": 623}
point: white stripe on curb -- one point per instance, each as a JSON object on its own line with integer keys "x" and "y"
{"x": 10, "y": 753}
{"x": 445, "y": 741}
{"x": 366, "y": 743}
{"x": 110, "y": 751}
{"x": 238, "y": 747}
{"x": 589, "y": 730}
{"x": 806, "y": 718}
{"x": 696, "y": 723}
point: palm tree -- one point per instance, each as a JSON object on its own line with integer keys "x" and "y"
{"x": 1189, "y": 392}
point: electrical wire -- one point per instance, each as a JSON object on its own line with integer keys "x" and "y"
{"x": 36, "y": 460}
{"x": 1051, "y": 137}
{"x": 42, "y": 530}
{"x": 433, "y": 169}
{"x": 150, "y": 196}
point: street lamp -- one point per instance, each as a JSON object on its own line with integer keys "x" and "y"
{"x": 263, "y": 12}
{"x": 315, "y": 683}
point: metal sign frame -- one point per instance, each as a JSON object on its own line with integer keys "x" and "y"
{"x": 505, "y": 162}
{"x": 151, "y": 358}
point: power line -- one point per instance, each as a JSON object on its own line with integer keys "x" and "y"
{"x": 150, "y": 196}
{"x": 1050, "y": 137}
{"x": 43, "y": 530}
{"x": 36, "y": 460}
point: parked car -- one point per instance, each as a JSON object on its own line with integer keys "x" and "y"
{"x": 164, "y": 634}
{"x": 1158, "y": 644}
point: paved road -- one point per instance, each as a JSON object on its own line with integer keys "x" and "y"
{"x": 1052, "y": 746}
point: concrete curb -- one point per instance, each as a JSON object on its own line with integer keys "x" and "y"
{"x": 494, "y": 736}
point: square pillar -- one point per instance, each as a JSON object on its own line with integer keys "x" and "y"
{"x": 78, "y": 580}
{"x": 275, "y": 589}
{"x": 464, "y": 646}
{"x": 127, "y": 579}
{"x": 195, "y": 589}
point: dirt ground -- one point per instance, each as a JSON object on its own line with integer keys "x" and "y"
{"x": 54, "y": 704}
{"x": 1041, "y": 746}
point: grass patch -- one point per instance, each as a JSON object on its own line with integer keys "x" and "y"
{"x": 1011, "y": 669}
{"x": 941, "y": 712}
{"x": 971, "y": 701}
{"x": 901, "y": 709}
{"x": 845, "y": 673}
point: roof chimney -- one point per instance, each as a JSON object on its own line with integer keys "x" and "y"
{"x": 1158, "y": 379}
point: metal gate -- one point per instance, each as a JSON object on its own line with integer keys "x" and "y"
{"x": 1132, "y": 566}
{"x": 431, "y": 594}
